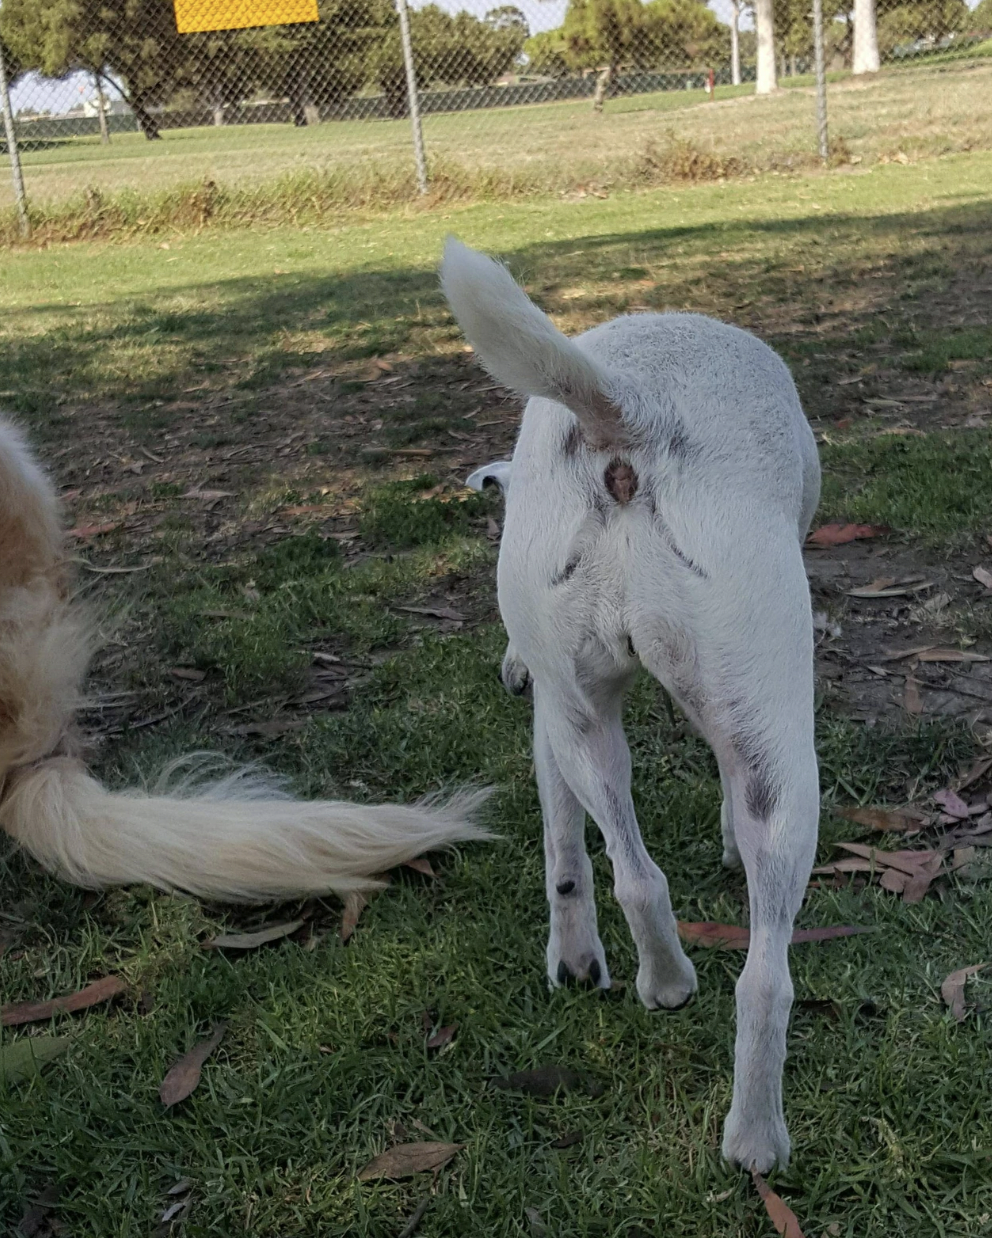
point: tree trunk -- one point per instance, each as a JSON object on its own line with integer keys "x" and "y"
{"x": 735, "y": 43}
{"x": 148, "y": 123}
{"x": 765, "y": 26}
{"x": 218, "y": 110}
{"x": 865, "y": 37}
{"x": 602, "y": 86}
{"x": 792, "y": 66}
{"x": 311, "y": 113}
{"x": 101, "y": 107}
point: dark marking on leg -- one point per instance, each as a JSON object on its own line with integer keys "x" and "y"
{"x": 572, "y": 440}
{"x": 620, "y": 480}
{"x": 761, "y": 793}
{"x": 566, "y": 573}
{"x": 631, "y": 651}
{"x": 565, "y": 887}
{"x": 565, "y": 976}
{"x": 680, "y": 446}
{"x": 595, "y": 971}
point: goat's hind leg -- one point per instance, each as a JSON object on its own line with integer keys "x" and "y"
{"x": 590, "y": 749}
{"x": 575, "y": 952}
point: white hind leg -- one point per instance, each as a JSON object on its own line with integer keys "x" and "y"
{"x": 590, "y": 749}
{"x": 575, "y": 952}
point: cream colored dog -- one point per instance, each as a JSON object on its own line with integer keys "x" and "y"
{"x": 237, "y": 839}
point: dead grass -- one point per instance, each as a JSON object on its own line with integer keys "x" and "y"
{"x": 197, "y": 178}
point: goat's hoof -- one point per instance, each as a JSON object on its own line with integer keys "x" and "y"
{"x": 587, "y": 972}
{"x": 760, "y": 1143}
{"x": 670, "y": 993}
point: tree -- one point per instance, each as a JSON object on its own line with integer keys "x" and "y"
{"x": 129, "y": 41}
{"x": 764, "y": 21}
{"x": 448, "y": 50}
{"x": 980, "y": 19}
{"x": 865, "y": 37}
{"x": 921, "y": 21}
{"x": 547, "y": 54}
{"x": 735, "y": 42}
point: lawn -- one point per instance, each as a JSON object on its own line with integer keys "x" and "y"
{"x": 902, "y": 113}
{"x": 270, "y": 428}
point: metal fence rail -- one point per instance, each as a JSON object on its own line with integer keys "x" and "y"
{"x": 101, "y": 71}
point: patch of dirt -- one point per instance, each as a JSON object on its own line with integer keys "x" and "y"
{"x": 869, "y": 648}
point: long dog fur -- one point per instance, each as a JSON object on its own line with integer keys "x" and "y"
{"x": 239, "y": 838}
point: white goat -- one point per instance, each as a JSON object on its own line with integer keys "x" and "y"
{"x": 659, "y": 493}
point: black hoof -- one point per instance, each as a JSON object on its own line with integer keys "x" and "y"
{"x": 567, "y": 978}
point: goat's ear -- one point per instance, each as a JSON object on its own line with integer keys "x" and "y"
{"x": 495, "y": 474}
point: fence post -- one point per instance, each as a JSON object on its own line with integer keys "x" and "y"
{"x": 821, "y": 80}
{"x": 12, "y": 151}
{"x": 411, "y": 94}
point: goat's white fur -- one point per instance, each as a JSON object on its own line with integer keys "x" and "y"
{"x": 698, "y": 576}
{"x": 239, "y": 837}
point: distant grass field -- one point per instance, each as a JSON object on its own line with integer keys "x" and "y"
{"x": 312, "y": 378}
{"x": 909, "y": 113}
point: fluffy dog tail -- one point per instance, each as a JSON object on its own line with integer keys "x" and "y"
{"x": 522, "y": 348}
{"x": 239, "y": 838}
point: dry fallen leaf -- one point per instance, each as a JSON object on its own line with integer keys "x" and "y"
{"x": 912, "y": 701}
{"x": 34, "y": 1012}
{"x": 406, "y": 1159}
{"x": 952, "y": 655}
{"x": 94, "y": 530}
{"x": 35, "y": 1219}
{"x": 952, "y": 804}
{"x": 781, "y": 1215}
{"x": 952, "y": 990}
{"x": 20, "y": 1059}
{"x": 420, "y": 865}
{"x": 353, "y": 906}
{"x": 185, "y": 1074}
{"x": 888, "y": 587}
{"x": 706, "y": 933}
{"x": 188, "y": 672}
{"x": 909, "y": 862}
{"x": 838, "y": 534}
{"x": 442, "y": 1036}
{"x": 249, "y": 941}
{"x": 734, "y": 937}
{"x": 880, "y": 818}
{"x": 917, "y": 886}
{"x": 897, "y": 655}
{"x": 208, "y": 495}
{"x": 434, "y": 612}
{"x": 973, "y": 772}
{"x": 983, "y": 576}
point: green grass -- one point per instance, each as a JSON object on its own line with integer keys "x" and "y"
{"x": 934, "y": 486}
{"x": 231, "y": 342}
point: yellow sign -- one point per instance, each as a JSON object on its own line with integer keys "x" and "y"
{"x": 194, "y": 15}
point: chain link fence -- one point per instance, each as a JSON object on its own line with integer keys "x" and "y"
{"x": 95, "y": 87}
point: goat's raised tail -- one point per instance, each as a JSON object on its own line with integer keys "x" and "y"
{"x": 237, "y": 838}
{"x": 522, "y": 348}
